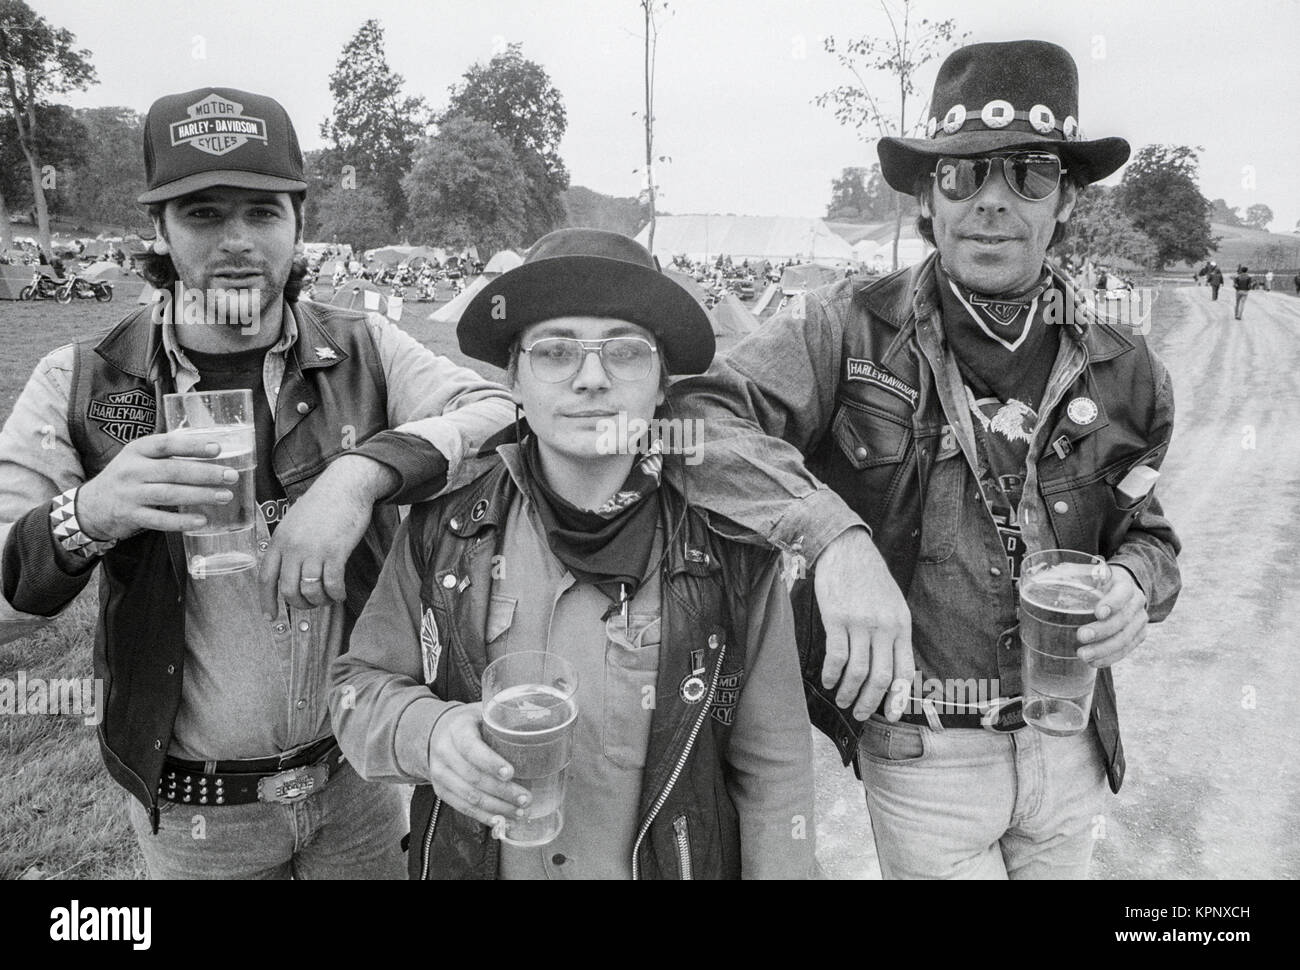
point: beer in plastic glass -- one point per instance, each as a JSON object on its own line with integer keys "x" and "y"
{"x": 529, "y": 710}
{"x": 227, "y": 543}
{"x": 1059, "y": 592}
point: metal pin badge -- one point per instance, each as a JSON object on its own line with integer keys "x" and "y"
{"x": 1082, "y": 410}
{"x": 692, "y": 689}
{"x": 326, "y": 353}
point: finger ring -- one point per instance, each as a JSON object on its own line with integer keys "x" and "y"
{"x": 311, "y": 579}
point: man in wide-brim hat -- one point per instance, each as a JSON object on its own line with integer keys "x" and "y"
{"x": 966, "y": 411}
{"x": 691, "y": 752}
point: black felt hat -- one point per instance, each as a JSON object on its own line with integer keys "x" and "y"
{"x": 588, "y": 273}
{"x": 994, "y": 97}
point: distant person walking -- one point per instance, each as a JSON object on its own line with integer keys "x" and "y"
{"x": 1268, "y": 280}
{"x": 1215, "y": 279}
{"x": 1297, "y": 284}
{"x": 1242, "y": 283}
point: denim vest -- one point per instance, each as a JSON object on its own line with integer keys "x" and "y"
{"x": 887, "y": 430}
{"x": 140, "y": 635}
{"x": 689, "y": 827}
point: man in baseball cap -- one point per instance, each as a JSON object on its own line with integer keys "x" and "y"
{"x": 691, "y": 750}
{"x": 961, "y": 414}
{"x": 216, "y": 684}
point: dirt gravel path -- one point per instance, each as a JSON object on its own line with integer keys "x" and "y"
{"x": 1209, "y": 704}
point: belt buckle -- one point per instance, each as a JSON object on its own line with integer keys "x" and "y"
{"x": 1005, "y": 715}
{"x": 293, "y": 785}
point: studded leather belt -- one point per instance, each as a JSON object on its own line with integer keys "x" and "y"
{"x": 283, "y": 780}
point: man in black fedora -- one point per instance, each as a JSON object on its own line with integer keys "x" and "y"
{"x": 913, "y": 437}
{"x": 691, "y": 751}
{"x": 215, "y": 718}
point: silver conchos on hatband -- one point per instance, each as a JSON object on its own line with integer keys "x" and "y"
{"x": 1082, "y": 410}
{"x": 1041, "y": 117}
{"x": 931, "y": 127}
{"x": 1070, "y": 128}
{"x": 954, "y": 119}
{"x": 998, "y": 114}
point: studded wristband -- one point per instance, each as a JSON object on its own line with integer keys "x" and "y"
{"x": 67, "y": 530}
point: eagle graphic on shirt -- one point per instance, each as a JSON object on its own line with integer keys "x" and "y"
{"x": 1014, "y": 420}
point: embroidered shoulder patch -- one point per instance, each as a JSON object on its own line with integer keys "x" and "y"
{"x": 868, "y": 372}
{"x": 726, "y": 696}
{"x": 126, "y": 415}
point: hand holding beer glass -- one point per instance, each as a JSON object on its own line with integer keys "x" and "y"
{"x": 529, "y": 710}
{"x": 226, "y": 544}
{"x": 1059, "y": 593}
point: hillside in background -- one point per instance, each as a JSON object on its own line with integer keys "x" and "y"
{"x": 1255, "y": 248}
{"x": 592, "y": 210}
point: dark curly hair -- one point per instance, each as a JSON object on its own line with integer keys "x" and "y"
{"x": 923, "y": 191}
{"x": 160, "y": 272}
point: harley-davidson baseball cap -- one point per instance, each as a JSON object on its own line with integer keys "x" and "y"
{"x": 219, "y": 136}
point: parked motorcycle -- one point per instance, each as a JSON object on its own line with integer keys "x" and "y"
{"x": 75, "y": 286}
{"x": 40, "y": 288}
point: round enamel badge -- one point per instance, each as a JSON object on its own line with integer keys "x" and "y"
{"x": 1082, "y": 410}
{"x": 692, "y": 689}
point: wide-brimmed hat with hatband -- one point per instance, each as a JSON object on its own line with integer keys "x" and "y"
{"x": 588, "y": 273}
{"x": 1021, "y": 94}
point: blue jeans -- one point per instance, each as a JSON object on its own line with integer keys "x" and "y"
{"x": 964, "y": 803}
{"x": 350, "y": 829}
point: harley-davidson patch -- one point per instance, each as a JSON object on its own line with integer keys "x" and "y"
{"x": 867, "y": 371}
{"x": 724, "y": 700}
{"x": 217, "y": 126}
{"x": 126, "y": 415}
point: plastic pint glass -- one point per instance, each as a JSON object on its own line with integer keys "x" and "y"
{"x": 529, "y": 710}
{"x": 227, "y": 543}
{"x": 1059, "y": 592}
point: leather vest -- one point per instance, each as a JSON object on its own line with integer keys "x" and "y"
{"x": 116, "y": 396}
{"x": 705, "y": 584}
{"x": 885, "y": 434}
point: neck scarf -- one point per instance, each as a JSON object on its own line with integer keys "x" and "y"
{"x": 1003, "y": 347}
{"x": 608, "y": 547}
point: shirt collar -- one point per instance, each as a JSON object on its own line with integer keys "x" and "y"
{"x": 180, "y": 364}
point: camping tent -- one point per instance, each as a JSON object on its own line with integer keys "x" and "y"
{"x": 450, "y": 312}
{"x": 807, "y": 276}
{"x": 502, "y": 262}
{"x": 352, "y": 296}
{"x": 732, "y": 319}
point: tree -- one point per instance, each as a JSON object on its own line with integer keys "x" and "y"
{"x": 61, "y": 145}
{"x": 515, "y": 97}
{"x": 1159, "y": 193}
{"x": 595, "y": 211}
{"x": 1100, "y": 231}
{"x": 652, "y": 9}
{"x": 848, "y": 194}
{"x": 1221, "y": 213}
{"x": 37, "y": 61}
{"x": 357, "y": 216}
{"x": 872, "y": 62}
{"x": 103, "y": 188}
{"x": 1258, "y": 216}
{"x": 465, "y": 188}
{"x": 374, "y": 129}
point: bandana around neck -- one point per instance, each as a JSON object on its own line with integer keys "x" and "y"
{"x": 609, "y": 547}
{"x": 1004, "y": 319}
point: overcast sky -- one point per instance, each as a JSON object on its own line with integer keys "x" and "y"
{"x": 736, "y": 78}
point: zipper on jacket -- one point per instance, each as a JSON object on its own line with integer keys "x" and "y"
{"x": 681, "y": 761}
{"x": 683, "y": 846}
{"x": 428, "y": 838}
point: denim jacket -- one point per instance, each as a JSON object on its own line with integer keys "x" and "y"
{"x": 835, "y": 413}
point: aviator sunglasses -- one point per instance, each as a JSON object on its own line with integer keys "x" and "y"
{"x": 1032, "y": 175}
{"x": 556, "y": 359}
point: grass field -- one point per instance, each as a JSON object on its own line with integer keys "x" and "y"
{"x": 61, "y": 815}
